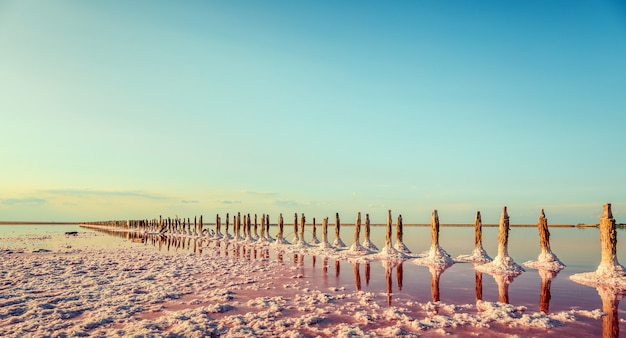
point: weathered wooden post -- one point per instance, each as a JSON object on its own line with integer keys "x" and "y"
{"x": 218, "y": 226}
{"x": 279, "y": 237}
{"x": 478, "y": 254}
{"x": 226, "y": 234}
{"x": 388, "y": 232}
{"x": 295, "y": 227}
{"x": 356, "y": 245}
{"x": 256, "y": 234}
{"x": 338, "y": 242}
{"x": 399, "y": 234}
{"x": 503, "y": 263}
{"x": 314, "y": 240}
{"x": 325, "y": 243}
{"x": 201, "y": 226}
{"x": 263, "y": 238}
{"x": 609, "y": 266}
{"x": 267, "y": 228}
{"x": 547, "y": 259}
{"x": 367, "y": 243}
{"x": 300, "y": 237}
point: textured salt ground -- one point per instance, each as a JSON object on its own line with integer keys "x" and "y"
{"x": 138, "y": 291}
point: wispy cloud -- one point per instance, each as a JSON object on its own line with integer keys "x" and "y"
{"x": 109, "y": 193}
{"x": 288, "y": 204}
{"x": 230, "y": 202}
{"x": 23, "y": 201}
{"x": 189, "y": 201}
{"x": 259, "y": 193}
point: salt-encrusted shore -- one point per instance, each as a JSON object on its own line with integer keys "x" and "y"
{"x": 135, "y": 290}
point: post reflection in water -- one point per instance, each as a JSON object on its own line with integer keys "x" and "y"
{"x": 337, "y": 268}
{"x": 546, "y": 281}
{"x": 325, "y": 271}
{"x": 503, "y": 282}
{"x": 367, "y": 273}
{"x": 610, "y": 304}
{"x": 399, "y": 275}
{"x": 357, "y": 276}
{"x": 479, "y": 285}
{"x": 388, "y": 268}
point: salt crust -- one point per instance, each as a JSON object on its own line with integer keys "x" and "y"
{"x": 547, "y": 260}
{"x": 478, "y": 255}
{"x": 137, "y": 291}
{"x": 501, "y": 265}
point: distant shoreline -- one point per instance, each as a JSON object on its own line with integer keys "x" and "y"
{"x": 35, "y": 223}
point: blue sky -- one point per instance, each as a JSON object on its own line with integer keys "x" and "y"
{"x": 116, "y": 109}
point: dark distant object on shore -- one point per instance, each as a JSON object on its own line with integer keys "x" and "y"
{"x": 71, "y": 233}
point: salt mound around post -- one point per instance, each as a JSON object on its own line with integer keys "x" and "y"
{"x": 367, "y": 243}
{"x": 610, "y": 272}
{"x": 389, "y": 251}
{"x": 547, "y": 260}
{"x": 503, "y": 263}
{"x": 436, "y": 255}
{"x": 478, "y": 254}
{"x": 356, "y": 245}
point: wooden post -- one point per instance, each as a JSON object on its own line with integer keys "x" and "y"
{"x": 226, "y": 235}
{"x": 301, "y": 236}
{"x": 544, "y": 233}
{"x": 434, "y": 229}
{"x": 503, "y": 234}
{"x": 356, "y": 245}
{"x": 314, "y": 240}
{"x": 256, "y": 234}
{"x": 325, "y": 243}
{"x": 267, "y": 227}
{"x": 279, "y": 236}
{"x": 609, "y": 266}
{"x": 478, "y": 232}
{"x": 295, "y": 227}
{"x": 367, "y": 243}
{"x": 388, "y": 233}
{"x": 263, "y": 227}
{"x": 338, "y": 242}
{"x": 367, "y": 228}
{"x": 399, "y": 232}
{"x": 357, "y": 228}
{"x": 201, "y": 226}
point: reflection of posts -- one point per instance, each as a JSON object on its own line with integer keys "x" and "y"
{"x": 367, "y": 273}
{"x": 546, "y": 282}
{"x": 357, "y": 276}
{"x": 388, "y": 269}
{"x": 503, "y": 282}
{"x": 434, "y": 283}
{"x": 337, "y": 268}
{"x": 399, "y": 275}
{"x": 610, "y": 304}
{"x": 479, "y": 285}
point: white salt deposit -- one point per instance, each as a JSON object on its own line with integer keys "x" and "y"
{"x": 478, "y": 255}
{"x": 502, "y": 264}
{"x": 436, "y": 256}
{"x": 136, "y": 291}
